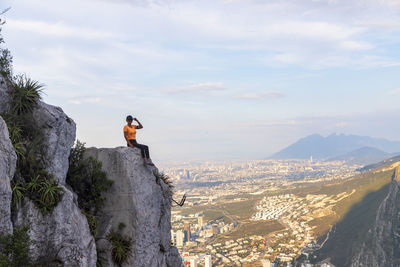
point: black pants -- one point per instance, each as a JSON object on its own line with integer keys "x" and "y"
{"x": 143, "y": 148}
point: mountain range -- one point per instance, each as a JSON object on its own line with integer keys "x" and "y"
{"x": 358, "y": 149}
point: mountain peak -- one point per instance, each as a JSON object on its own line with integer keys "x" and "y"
{"x": 334, "y": 145}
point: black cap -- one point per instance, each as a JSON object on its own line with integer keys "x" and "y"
{"x": 129, "y": 118}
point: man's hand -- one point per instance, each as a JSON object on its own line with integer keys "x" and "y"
{"x": 135, "y": 119}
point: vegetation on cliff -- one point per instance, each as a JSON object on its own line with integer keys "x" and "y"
{"x": 121, "y": 246}
{"x": 31, "y": 178}
{"x": 14, "y": 249}
{"x": 89, "y": 182}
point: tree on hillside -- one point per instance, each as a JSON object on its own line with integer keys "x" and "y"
{"x": 5, "y": 55}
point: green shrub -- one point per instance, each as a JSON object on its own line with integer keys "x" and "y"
{"x": 31, "y": 178}
{"x": 18, "y": 193}
{"x": 44, "y": 192}
{"x": 89, "y": 182}
{"x": 25, "y": 94}
{"x": 92, "y": 221}
{"x": 5, "y": 62}
{"x": 48, "y": 195}
{"x": 121, "y": 247}
{"x": 14, "y": 249}
{"x": 15, "y": 133}
{"x": 5, "y": 55}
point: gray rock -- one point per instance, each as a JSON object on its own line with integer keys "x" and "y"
{"x": 8, "y": 160}
{"x": 142, "y": 203}
{"x": 4, "y": 95}
{"x": 59, "y": 132}
{"x": 59, "y": 137}
{"x": 60, "y": 236}
{"x": 382, "y": 242}
{"x": 64, "y": 234}
{"x": 173, "y": 258}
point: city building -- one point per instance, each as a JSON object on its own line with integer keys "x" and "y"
{"x": 207, "y": 261}
{"x": 215, "y": 229}
{"x": 200, "y": 221}
{"x": 179, "y": 238}
{"x": 194, "y": 261}
{"x": 186, "y": 230}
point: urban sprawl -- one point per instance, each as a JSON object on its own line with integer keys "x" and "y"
{"x": 238, "y": 214}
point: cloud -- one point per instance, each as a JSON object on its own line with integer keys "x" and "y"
{"x": 56, "y": 29}
{"x": 395, "y": 92}
{"x": 260, "y": 95}
{"x": 198, "y": 88}
{"x": 84, "y": 99}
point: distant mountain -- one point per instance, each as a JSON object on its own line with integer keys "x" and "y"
{"x": 363, "y": 156}
{"x": 334, "y": 145}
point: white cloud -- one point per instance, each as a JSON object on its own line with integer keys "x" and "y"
{"x": 395, "y": 92}
{"x": 56, "y": 29}
{"x": 78, "y": 100}
{"x": 198, "y": 88}
{"x": 260, "y": 95}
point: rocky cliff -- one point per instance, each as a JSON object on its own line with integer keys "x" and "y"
{"x": 8, "y": 159}
{"x": 369, "y": 233}
{"x": 142, "y": 202}
{"x": 62, "y": 236}
{"x": 382, "y": 242}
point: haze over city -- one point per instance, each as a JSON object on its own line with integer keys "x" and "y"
{"x": 213, "y": 79}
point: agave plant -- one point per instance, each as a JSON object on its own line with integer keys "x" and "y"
{"x": 120, "y": 247}
{"x": 49, "y": 191}
{"x": 18, "y": 193}
{"x": 49, "y": 194}
{"x": 34, "y": 185}
{"x": 25, "y": 94}
{"x": 165, "y": 178}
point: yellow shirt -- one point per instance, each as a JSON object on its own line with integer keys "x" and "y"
{"x": 130, "y": 131}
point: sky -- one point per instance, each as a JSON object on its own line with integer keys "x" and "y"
{"x": 220, "y": 79}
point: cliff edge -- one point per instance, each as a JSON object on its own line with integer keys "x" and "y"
{"x": 140, "y": 201}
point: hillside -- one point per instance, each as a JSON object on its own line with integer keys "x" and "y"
{"x": 363, "y": 156}
{"x": 334, "y": 145}
{"x": 367, "y": 234}
{"x": 381, "y": 164}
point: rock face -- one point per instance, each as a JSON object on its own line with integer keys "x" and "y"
{"x": 63, "y": 235}
{"x": 8, "y": 161}
{"x": 382, "y": 243}
{"x": 140, "y": 201}
{"x": 4, "y": 95}
{"x": 59, "y": 137}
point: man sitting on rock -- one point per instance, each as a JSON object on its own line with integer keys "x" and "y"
{"x": 130, "y": 137}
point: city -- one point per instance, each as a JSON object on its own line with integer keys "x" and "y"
{"x": 252, "y": 213}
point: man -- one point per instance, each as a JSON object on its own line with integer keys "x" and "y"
{"x": 130, "y": 137}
